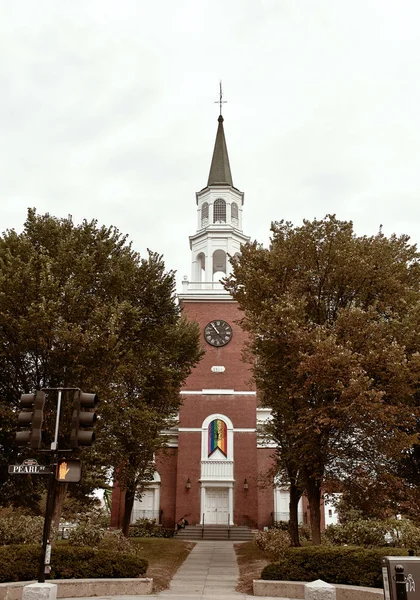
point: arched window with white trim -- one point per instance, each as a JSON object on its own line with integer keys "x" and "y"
{"x": 147, "y": 505}
{"x": 219, "y": 211}
{"x": 219, "y": 265}
{"x": 217, "y": 438}
{"x": 281, "y": 504}
{"x": 201, "y": 267}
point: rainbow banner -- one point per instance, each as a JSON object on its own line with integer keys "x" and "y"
{"x": 217, "y": 436}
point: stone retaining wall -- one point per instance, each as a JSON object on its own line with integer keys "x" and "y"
{"x": 79, "y": 588}
{"x": 296, "y": 590}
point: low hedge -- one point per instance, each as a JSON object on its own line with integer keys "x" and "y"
{"x": 21, "y": 563}
{"x": 350, "y": 565}
{"x": 145, "y": 528}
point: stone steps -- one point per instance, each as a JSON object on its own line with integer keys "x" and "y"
{"x": 216, "y": 532}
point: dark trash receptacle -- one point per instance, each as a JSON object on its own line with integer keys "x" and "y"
{"x": 401, "y": 576}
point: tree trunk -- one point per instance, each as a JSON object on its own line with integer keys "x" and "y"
{"x": 60, "y": 496}
{"x": 295, "y": 495}
{"x": 313, "y": 489}
{"x": 130, "y": 494}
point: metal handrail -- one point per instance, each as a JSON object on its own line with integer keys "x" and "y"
{"x": 228, "y": 527}
{"x": 202, "y": 529}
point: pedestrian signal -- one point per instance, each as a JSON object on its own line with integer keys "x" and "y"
{"x": 69, "y": 470}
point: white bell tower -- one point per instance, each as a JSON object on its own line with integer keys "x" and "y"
{"x": 219, "y": 226}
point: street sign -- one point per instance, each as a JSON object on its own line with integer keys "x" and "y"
{"x": 29, "y": 466}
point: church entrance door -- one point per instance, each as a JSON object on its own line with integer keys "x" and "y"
{"x": 217, "y": 506}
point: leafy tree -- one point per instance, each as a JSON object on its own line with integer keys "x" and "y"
{"x": 334, "y": 324}
{"x": 78, "y": 307}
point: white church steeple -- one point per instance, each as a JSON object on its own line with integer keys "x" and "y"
{"x": 219, "y": 226}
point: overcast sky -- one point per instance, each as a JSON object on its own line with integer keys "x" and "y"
{"x": 107, "y": 111}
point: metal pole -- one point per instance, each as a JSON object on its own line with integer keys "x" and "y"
{"x": 52, "y": 488}
{"x": 54, "y": 444}
{"x": 400, "y": 583}
{"x": 49, "y": 509}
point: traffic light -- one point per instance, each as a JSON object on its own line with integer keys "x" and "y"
{"x": 83, "y": 419}
{"x": 31, "y": 418}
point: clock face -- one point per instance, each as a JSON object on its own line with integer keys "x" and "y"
{"x": 218, "y": 333}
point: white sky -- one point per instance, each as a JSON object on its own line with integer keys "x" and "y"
{"x": 106, "y": 112}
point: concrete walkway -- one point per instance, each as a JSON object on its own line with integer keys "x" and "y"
{"x": 210, "y": 572}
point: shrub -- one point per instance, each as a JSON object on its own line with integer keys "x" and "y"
{"x": 21, "y": 563}
{"x": 95, "y": 517}
{"x": 86, "y": 533}
{"x": 21, "y": 529}
{"x": 351, "y": 566}
{"x": 304, "y": 530}
{"x": 117, "y": 542}
{"x": 147, "y": 528}
{"x": 357, "y": 533}
{"x": 283, "y": 525}
{"x": 404, "y": 534}
{"x": 371, "y": 533}
{"x": 117, "y": 564}
{"x": 273, "y": 542}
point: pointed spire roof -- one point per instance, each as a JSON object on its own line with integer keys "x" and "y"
{"x": 220, "y": 168}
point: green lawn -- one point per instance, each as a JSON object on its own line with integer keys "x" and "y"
{"x": 251, "y": 561}
{"x": 165, "y": 556}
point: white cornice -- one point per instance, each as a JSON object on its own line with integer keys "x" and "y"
{"x": 217, "y": 189}
{"x": 208, "y": 296}
{"x": 217, "y": 392}
{"x": 204, "y": 429}
{"x": 212, "y": 231}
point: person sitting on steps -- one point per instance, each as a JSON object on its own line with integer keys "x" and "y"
{"x": 181, "y": 523}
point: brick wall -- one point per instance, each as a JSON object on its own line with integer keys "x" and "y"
{"x": 166, "y": 465}
{"x": 246, "y": 501}
{"x": 117, "y": 508}
{"x": 189, "y": 466}
{"x": 241, "y": 410}
{"x": 237, "y": 374}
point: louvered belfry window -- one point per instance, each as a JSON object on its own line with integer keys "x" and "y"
{"x": 219, "y": 211}
{"x": 204, "y": 214}
{"x": 234, "y": 213}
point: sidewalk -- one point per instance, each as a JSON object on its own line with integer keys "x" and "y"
{"x": 210, "y": 572}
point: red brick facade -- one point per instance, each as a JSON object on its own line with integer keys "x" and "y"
{"x": 251, "y": 499}
{"x": 251, "y": 505}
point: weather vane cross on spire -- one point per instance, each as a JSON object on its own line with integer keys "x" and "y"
{"x": 220, "y": 101}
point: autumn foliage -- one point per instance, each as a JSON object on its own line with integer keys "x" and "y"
{"x": 334, "y": 323}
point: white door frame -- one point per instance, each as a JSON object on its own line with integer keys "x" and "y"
{"x": 204, "y": 487}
